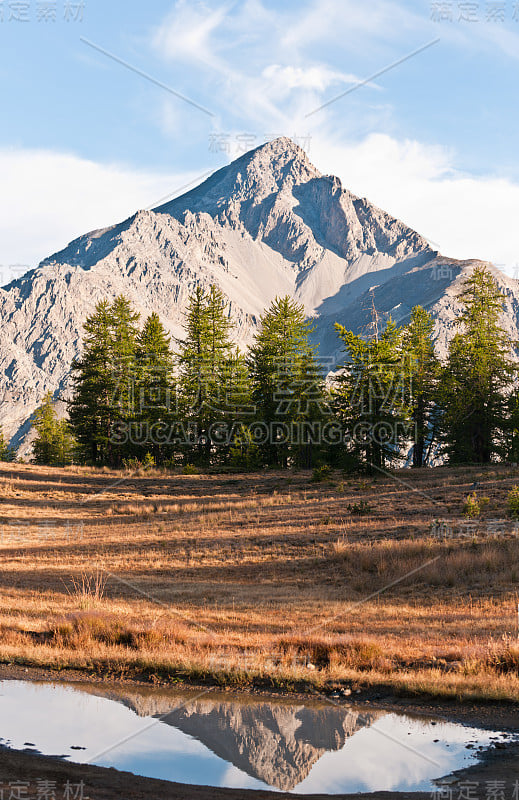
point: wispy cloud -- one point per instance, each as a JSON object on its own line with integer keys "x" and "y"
{"x": 351, "y": 24}
{"x": 187, "y": 33}
{"x": 243, "y": 53}
{"x": 262, "y": 67}
{"x": 283, "y": 79}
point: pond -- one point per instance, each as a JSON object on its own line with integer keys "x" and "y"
{"x": 215, "y": 739}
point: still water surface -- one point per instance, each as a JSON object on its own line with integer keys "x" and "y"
{"x": 216, "y": 739}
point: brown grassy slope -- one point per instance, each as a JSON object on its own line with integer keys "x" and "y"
{"x": 267, "y": 575}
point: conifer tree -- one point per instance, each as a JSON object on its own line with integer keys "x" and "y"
{"x": 286, "y": 384}
{"x": 103, "y": 383}
{"x": 7, "y": 453}
{"x": 476, "y": 380}
{"x": 371, "y": 397}
{"x": 423, "y": 374}
{"x": 211, "y": 374}
{"x": 511, "y": 428}
{"x": 90, "y": 408}
{"x": 54, "y": 443}
{"x": 124, "y": 332}
{"x": 153, "y": 398}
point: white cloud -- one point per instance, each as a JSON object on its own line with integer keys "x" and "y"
{"x": 489, "y": 39}
{"x": 465, "y": 216}
{"x": 318, "y": 78}
{"x": 261, "y": 64}
{"x": 49, "y": 198}
{"x": 187, "y": 31}
{"x": 250, "y": 69}
{"x": 350, "y": 23}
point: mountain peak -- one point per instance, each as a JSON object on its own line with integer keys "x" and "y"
{"x": 269, "y": 223}
{"x": 275, "y": 195}
{"x": 281, "y": 150}
{"x": 284, "y": 158}
{"x": 268, "y": 169}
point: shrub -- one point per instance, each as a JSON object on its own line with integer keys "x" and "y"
{"x": 190, "y": 469}
{"x": 131, "y": 463}
{"x": 360, "y": 508}
{"x": 149, "y": 461}
{"x": 7, "y": 453}
{"x": 83, "y": 630}
{"x": 513, "y": 502}
{"x": 321, "y": 473}
{"x": 471, "y": 507}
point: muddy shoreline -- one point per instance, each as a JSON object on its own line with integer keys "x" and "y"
{"x": 102, "y": 783}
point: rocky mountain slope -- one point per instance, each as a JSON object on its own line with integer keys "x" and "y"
{"x": 267, "y": 224}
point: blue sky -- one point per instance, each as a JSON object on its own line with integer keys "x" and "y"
{"x": 85, "y": 140}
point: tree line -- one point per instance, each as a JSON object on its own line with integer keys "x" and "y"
{"x": 140, "y": 397}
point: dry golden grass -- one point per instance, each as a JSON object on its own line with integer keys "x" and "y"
{"x": 265, "y": 576}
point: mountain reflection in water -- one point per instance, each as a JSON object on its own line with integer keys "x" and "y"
{"x": 244, "y": 741}
{"x": 278, "y": 744}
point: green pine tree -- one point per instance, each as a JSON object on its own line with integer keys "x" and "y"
{"x": 90, "y": 409}
{"x": 124, "y": 332}
{"x": 153, "y": 398}
{"x": 287, "y": 385}
{"x": 54, "y": 443}
{"x": 212, "y": 379}
{"x": 423, "y": 377}
{"x": 511, "y": 450}
{"x": 102, "y": 404}
{"x": 371, "y": 397}
{"x": 7, "y": 453}
{"x": 476, "y": 380}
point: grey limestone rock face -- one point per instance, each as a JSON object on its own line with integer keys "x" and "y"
{"x": 268, "y": 224}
